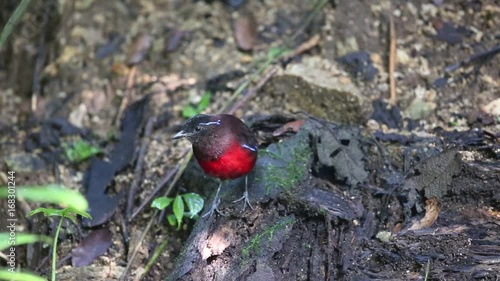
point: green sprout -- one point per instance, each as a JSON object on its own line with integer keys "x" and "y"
{"x": 80, "y": 150}
{"x": 68, "y": 213}
{"x": 51, "y": 193}
{"x": 194, "y": 203}
{"x": 191, "y": 111}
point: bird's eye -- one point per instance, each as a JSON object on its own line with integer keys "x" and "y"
{"x": 198, "y": 128}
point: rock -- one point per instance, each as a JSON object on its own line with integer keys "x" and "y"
{"x": 420, "y": 109}
{"x": 319, "y": 92}
{"x": 493, "y": 107}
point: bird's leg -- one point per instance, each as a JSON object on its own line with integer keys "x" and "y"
{"x": 245, "y": 197}
{"x": 215, "y": 203}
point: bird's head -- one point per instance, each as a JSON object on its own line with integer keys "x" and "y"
{"x": 199, "y": 127}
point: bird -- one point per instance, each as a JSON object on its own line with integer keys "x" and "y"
{"x": 224, "y": 147}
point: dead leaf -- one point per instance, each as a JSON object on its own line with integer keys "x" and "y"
{"x": 432, "y": 208}
{"x": 245, "y": 31}
{"x": 293, "y": 126}
{"x": 340, "y": 148}
{"x": 434, "y": 174}
{"x": 94, "y": 245}
{"x": 174, "y": 40}
{"x": 139, "y": 49}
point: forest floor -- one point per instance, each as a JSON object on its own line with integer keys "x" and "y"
{"x": 358, "y": 178}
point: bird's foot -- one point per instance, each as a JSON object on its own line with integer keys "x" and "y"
{"x": 214, "y": 208}
{"x": 246, "y": 201}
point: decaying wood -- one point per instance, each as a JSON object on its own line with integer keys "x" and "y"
{"x": 317, "y": 232}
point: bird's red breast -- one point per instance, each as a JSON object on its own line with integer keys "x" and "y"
{"x": 222, "y": 144}
{"x": 236, "y": 161}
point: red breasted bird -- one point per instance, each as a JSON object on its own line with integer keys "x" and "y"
{"x": 224, "y": 147}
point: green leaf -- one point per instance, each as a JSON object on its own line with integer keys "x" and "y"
{"x": 194, "y": 203}
{"x": 205, "y": 100}
{"x": 21, "y": 239}
{"x": 171, "y": 219}
{"x": 275, "y": 52}
{"x": 189, "y": 111}
{"x": 78, "y": 212}
{"x": 162, "y": 202}
{"x": 19, "y": 276}
{"x": 48, "y": 212}
{"x": 80, "y": 150}
{"x": 72, "y": 217}
{"x": 178, "y": 210}
{"x": 13, "y": 20}
{"x": 65, "y": 213}
{"x": 51, "y": 193}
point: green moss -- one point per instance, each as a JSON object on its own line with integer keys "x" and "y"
{"x": 258, "y": 240}
{"x": 287, "y": 165}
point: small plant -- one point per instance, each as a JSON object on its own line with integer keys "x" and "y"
{"x": 194, "y": 203}
{"x": 80, "y": 150}
{"x": 8, "y": 242}
{"x": 51, "y": 193}
{"x": 191, "y": 111}
{"x": 68, "y": 213}
{"x": 275, "y": 52}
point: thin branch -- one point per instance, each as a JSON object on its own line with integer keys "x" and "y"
{"x": 128, "y": 94}
{"x": 253, "y": 90}
{"x": 182, "y": 166}
{"x": 476, "y": 58}
{"x": 138, "y": 246}
{"x": 304, "y": 47}
{"x": 139, "y": 166}
{"x": 392, "y": 61}
{"x": 153, "y": 193}
{"x": 39, "y": 63}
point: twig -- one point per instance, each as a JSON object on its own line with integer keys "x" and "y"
{"x": 307, "y": 45}
{"x": 139, "y": 166}
{"x": 427, "y": 269}
{"x": 182, "y": 166}
{"x": 253, "y": 90}
{"x": 319, "y": 5}
{"x": 392, "y": 61}
{"x": 156, "y": 254}
{"x": 40, "y": 61}
{"x": 128, "y": 94}
{"x": 304, "y": 47}
{"x": 479, "y": 57}
{"x": 245, "y": 84}
{"x": 136, "y": 249}
{"x": 153, "y": 193}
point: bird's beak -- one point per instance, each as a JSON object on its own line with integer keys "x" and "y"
{"x": 179, "y": 135}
